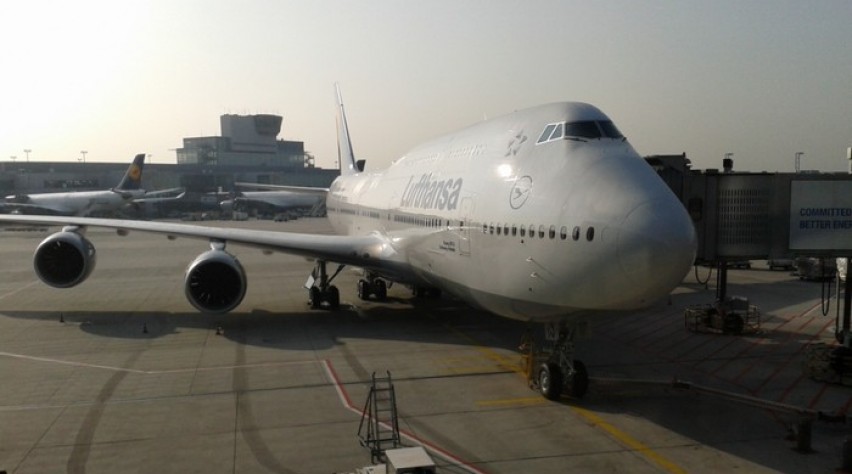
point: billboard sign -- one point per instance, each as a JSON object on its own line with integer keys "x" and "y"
{"x": 821, "y": 215}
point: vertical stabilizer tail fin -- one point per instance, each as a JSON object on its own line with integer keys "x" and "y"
{"x": 132, "y": 179}
{"x": 345, "y": 155}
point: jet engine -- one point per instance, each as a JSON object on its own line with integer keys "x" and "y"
{"x": 215, "y": 282}
{"x": 64, "y": 259}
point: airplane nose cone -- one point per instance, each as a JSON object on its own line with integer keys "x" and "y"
{"x": 656, "y": 247}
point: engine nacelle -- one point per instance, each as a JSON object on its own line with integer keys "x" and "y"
{"x": 215, "y": 282}
{"x": 64, "y": 259}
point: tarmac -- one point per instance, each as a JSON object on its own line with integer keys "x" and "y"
{"x": 121, "y": 374}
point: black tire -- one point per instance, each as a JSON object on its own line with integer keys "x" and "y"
{"x": 550, "y": 381}
{"x": 333, "y": 297}
{"x": 363, "y": 290}
{"x": 380, "y": 289}
{"x": 314, "y": 297}
{"x": 579, "y": 384}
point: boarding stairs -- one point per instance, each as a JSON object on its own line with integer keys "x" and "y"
{"x": 379, "y": 427}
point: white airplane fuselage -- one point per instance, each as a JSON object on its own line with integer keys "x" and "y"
{"x": 527, "y": 230}
{"x": 81, "y": 203}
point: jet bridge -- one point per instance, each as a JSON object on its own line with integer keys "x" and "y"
{"x": 742, "y": 215}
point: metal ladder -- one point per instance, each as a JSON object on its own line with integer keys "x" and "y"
{"x": 379, "y": 427}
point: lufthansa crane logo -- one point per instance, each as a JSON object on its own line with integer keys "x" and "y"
{"x": 134, "y": 173}
{"x": 520, "y": 192}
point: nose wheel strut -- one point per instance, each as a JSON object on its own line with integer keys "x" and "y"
{"x": 551, "y": 368}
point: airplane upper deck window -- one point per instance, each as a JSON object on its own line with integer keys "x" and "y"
{"x": 579, "y": 131}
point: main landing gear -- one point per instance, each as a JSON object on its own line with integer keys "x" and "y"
{"x": 552, "y": 369}
{"x": 372, "y": 285}
{"x": 321, "y": 293}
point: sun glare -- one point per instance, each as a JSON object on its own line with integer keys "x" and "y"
{"x": 58, "y": 58}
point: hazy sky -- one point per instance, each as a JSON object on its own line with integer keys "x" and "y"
{"x": 760, "y": 79}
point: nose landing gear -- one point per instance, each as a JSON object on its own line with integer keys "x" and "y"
{"x": 552, "y": 368}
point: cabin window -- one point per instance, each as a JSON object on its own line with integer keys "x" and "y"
{"x": 575, "y": 234}
{"x": 563, "y": 233}
{"x": 499, "y": 229}
{"x": 514, "y": 230}
{"x": 505, "y": 229}
{"x": 541, "y": 232}
{"x": 523, "y": 231}
{"x": 552, "y": 232}
{"x": 590, "y": 233}
{"x": 491, "y": 229}
{"x": 532, "y": 231}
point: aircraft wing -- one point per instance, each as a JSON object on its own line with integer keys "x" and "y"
{"x": 371, "y": 251}
{"x": 278, "y": 187}
{"x": 173, "y": 194}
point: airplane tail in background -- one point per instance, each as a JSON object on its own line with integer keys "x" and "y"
{"x": 345, "y": 155}
{"x": 132, "y": 179}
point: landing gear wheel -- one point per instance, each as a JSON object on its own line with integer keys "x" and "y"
{"x": 579, "y": 383}
{"x": 550, "y": 381}
{"x": 333, "y": 297}
{"x": 363, "y": 290}
{"x": 380, "y": 289}
{"x": 314, "y": 298}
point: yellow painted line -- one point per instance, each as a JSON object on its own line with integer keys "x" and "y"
{"x": 592, "y": 418}
{"x": 511, "y": 402}
{"x": 505, "y": 362}
{"x": 629, "y": 441}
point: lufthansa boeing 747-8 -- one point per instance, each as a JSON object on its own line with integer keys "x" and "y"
{"x": 547, "y": 214}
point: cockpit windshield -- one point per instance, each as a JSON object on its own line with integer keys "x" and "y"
{"x": 579, "y": 131}
{"x": 609, "y": 129}
{"x": 587, "y": 129}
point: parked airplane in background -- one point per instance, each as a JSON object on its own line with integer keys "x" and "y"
{"x": 274, "y": 198}
{"x": 547, "y": 215}
{"x": 83, "y": 203}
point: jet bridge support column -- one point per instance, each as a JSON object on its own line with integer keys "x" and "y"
{"x": 721, "y": 281}
{"x": 844, "y": 335}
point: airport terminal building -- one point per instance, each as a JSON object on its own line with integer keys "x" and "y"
{"x": 248, "y": 150}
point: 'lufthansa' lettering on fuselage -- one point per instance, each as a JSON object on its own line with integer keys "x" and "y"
{"x": 432, "y": 193}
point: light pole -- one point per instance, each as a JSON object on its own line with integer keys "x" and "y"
{"x": 799, "y": 155}
{"x": 83, "y": 152}
{"x": 27, "y": 151}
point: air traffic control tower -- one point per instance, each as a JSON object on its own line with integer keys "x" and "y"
{"x": 246, "y": 140}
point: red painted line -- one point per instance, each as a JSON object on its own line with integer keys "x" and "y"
{"x": 802, "y": 347}
{"x": 845, "y": 409}
{"x": 790, "y": 388}
{"x": 344, "y": 396}
{"x": 819, "y": 395}
{"x": 347, "y": 403}
{"x": 790, "y": 335}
